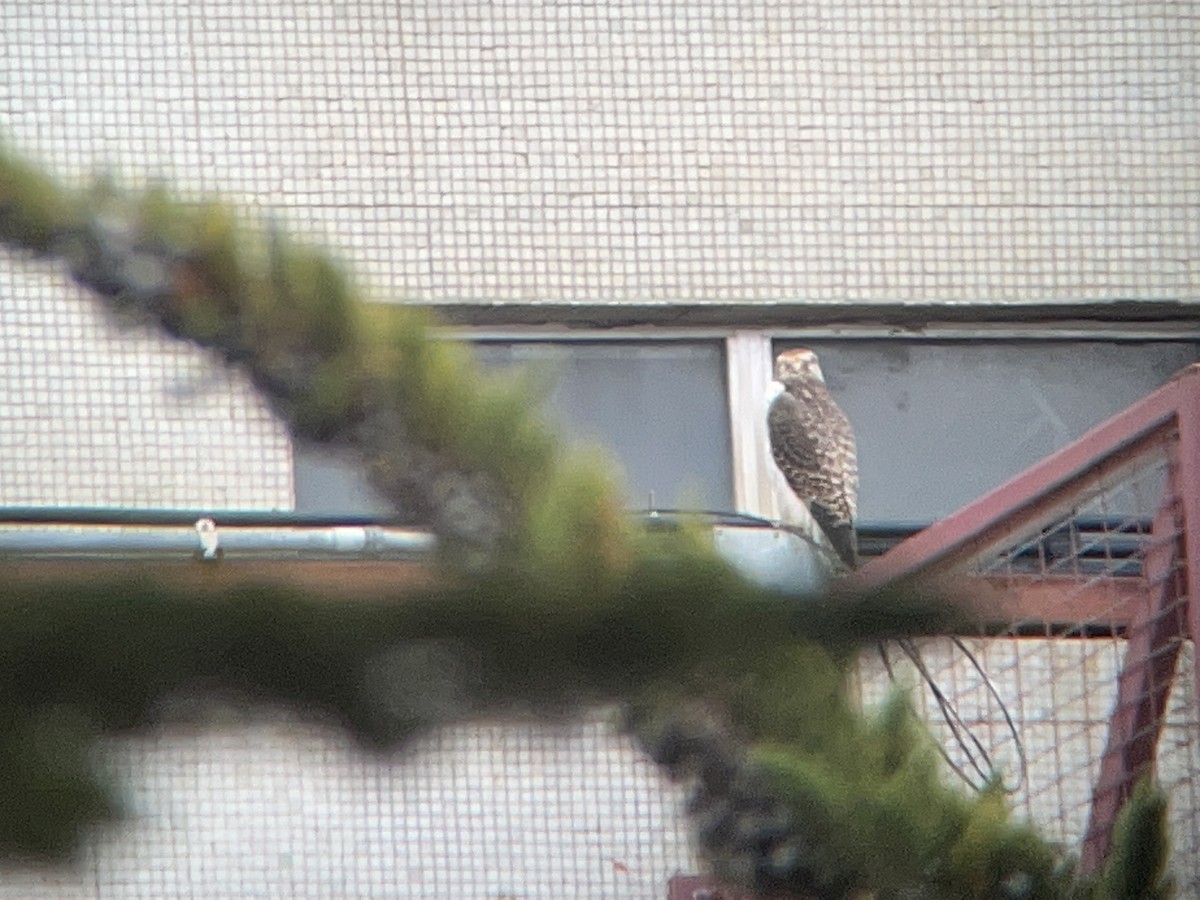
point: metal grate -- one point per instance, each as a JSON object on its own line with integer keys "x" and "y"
{"x": 1084, "y": 679}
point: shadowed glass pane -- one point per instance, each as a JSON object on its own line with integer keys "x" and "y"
{"x": 939, "y": 423}
{"x": 659, "y": 408}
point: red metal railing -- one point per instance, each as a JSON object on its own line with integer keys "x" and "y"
{"x": 1144, "y": 597}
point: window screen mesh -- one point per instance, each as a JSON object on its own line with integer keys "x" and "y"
{"x": 519, "y": 152}
{"x": 286, "y": 810}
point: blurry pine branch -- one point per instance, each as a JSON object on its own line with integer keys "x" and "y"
{"x": 549, "y": 599}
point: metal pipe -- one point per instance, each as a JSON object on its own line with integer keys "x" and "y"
{"x": 120, "y": 515}
{"x": 766, "y": 554}
{"x": 340, "y": 541}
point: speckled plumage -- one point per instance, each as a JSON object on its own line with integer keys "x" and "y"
{"x": 813, "y": 445}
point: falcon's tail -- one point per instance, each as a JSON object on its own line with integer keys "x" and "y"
{"x": 840, "y": 533}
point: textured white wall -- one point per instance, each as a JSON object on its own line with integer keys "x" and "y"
{"x": 610, "y": 152}
{"x": 94, "y": 412}
{"x": 290, "y": 811}
{"x": 591, "y": 152}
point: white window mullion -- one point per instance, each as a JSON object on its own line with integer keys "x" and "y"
{"x": 758, "y": 486}
{"x": 748, "y": 360}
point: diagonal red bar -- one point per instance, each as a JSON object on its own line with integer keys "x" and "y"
{"x": 1188, "y": 479}
{"x": 1151, "y": 654}
{"x": 1164, "y": 615}
{"x": 1090, "y": 457}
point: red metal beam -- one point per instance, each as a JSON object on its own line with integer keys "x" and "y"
{"x": 1003, "y": 601}
{"x": 1165, "y": 614}
{"x": 1145, "y": 681}
{"x": 1017, "y": 500}
{"x": 1187, "y": 477}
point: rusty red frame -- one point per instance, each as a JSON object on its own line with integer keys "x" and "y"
{"x": 1171, "y": 413}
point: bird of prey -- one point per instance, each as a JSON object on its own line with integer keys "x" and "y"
{"x": 813, "y": 445}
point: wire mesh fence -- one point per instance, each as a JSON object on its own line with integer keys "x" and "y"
{"x": 1085, "y": 681}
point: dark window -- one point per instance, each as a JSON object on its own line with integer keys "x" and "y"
{"x": 941, "y": 423}
{"x": 659, "y": 407}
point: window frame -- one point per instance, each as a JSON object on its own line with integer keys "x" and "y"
{"x": 758, "y": 487}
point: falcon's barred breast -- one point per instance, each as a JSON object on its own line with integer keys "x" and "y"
{"x": 813, "y": 445}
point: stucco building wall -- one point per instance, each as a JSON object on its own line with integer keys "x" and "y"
{"x": 655, "y": 152}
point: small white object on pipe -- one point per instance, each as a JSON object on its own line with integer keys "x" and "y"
{"x": 210, "y": 541}
{"x": 207, "y": 540}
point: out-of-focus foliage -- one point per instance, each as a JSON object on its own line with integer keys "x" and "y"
{"x": 1137, "y": 865}
{"x": 550, "y": 600}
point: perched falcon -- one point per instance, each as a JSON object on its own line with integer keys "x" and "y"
{"x": 813, "y": 445}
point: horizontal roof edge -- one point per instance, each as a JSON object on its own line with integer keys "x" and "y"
{"x": 793, "y": 315}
